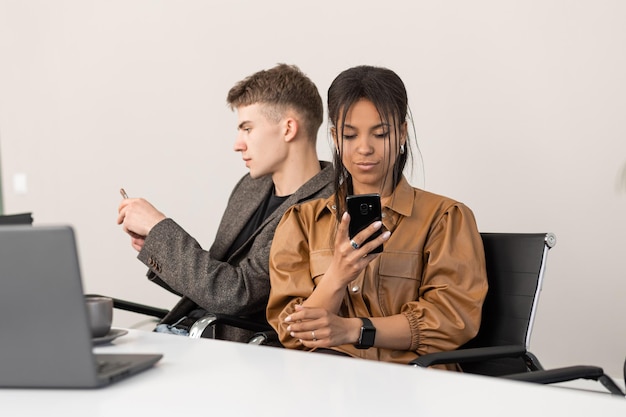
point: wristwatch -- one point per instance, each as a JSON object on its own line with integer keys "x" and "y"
{"x": 367, "y": 336}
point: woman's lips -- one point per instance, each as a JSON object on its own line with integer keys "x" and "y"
{"x": 366, "y": 166}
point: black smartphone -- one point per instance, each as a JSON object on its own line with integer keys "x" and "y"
{"x": 364, "y": 209}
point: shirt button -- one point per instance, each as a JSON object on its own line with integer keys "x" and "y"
{"x": 334, "y": 207}
{"x": 384, "y": 215}
{"x": 355, "y": 288}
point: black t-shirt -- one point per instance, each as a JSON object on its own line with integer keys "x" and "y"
{"x": 269, "y": 205}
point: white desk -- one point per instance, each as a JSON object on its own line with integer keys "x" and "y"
{"x": 214, "y": 378}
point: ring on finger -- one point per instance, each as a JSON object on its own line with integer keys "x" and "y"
{"x": 354, "y": 244}
{"x": 313, "y": 335}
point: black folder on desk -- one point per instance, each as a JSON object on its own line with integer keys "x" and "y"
{"x": 45, "y": 339}
{"x": 21, "y": 218}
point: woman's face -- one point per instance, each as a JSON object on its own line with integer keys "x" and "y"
{"x": 369, "y": 148}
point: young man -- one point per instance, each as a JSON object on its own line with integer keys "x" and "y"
{"x": 279, "y": 114}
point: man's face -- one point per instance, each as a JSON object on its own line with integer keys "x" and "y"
{"x": 260, "y": 140}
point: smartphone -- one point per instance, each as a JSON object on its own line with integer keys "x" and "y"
{"x": 364, "y": 209}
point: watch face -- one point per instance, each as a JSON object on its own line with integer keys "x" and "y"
{"x": 368, "y": 335}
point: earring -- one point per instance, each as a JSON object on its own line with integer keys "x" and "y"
{"x": 401, "y": 149}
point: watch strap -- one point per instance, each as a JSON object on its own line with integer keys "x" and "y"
{"x": 367, "y": 335}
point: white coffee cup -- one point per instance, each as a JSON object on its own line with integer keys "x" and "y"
{"x": 100, "y": 313}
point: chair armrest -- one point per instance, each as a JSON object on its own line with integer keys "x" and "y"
{"x": 241, "y": 322}
{"x": 135, "y": 307}
{"x": 197, "y": 330}
{"x": 569, "y": 373}
{"x": 470, "y": 355}
{"x": 264, "y": 338}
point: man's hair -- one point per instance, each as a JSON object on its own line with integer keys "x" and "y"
{"x": 280, "y": 88}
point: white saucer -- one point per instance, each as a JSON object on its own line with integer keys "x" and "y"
{"x": 112, "y": 335}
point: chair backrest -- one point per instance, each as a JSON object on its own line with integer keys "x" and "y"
{"x": 515, "y": 269}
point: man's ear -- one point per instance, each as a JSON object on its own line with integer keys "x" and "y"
{"x": 291, "y": 128}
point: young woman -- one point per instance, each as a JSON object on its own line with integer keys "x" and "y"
{"x": 424, "y": 292}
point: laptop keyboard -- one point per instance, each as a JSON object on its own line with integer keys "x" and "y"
{"x": 110, "y": 366}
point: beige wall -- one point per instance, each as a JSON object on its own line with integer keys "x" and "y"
{"x": 519, "y": 112}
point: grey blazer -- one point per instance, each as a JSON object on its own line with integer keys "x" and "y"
{"x": 240, "y": 284}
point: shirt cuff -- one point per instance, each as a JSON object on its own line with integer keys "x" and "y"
{"x": 415, "y": 331}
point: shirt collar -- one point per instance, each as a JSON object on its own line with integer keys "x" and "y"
{"x": 401, "y": 200}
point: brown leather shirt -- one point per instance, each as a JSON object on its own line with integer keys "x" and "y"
{"x": 432, "y": 271}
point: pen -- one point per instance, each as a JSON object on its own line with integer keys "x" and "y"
{"x": 123, "y": 192}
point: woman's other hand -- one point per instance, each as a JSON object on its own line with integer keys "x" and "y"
{"x": 317, "y": 327}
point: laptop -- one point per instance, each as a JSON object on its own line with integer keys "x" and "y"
{"x": 45, "y": 340}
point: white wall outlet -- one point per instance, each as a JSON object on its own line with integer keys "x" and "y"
{"x": 20, "y": 183}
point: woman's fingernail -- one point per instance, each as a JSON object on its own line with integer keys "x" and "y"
{"x": 289, "y": 328}
{"x": 377, "y": 224}
{"x": 287, "y": 319}
{"x": 386, "y": 235}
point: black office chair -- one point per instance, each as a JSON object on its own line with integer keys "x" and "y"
{"x": 515, "y": 270}
{"x": 203, "y": 327}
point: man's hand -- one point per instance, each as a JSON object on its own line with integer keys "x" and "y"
{"x": 137, "y": 217}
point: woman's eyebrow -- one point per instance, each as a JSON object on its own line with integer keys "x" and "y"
{"x": 378, "y": 126}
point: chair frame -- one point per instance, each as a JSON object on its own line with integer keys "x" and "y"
{"x": 500, "y": 346}
{"x": 471, "y": 355}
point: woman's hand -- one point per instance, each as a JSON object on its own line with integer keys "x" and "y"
{"x": 351, "y": 256}
{"x": 316, "y": 327}
{"x": 348, "y": 261}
